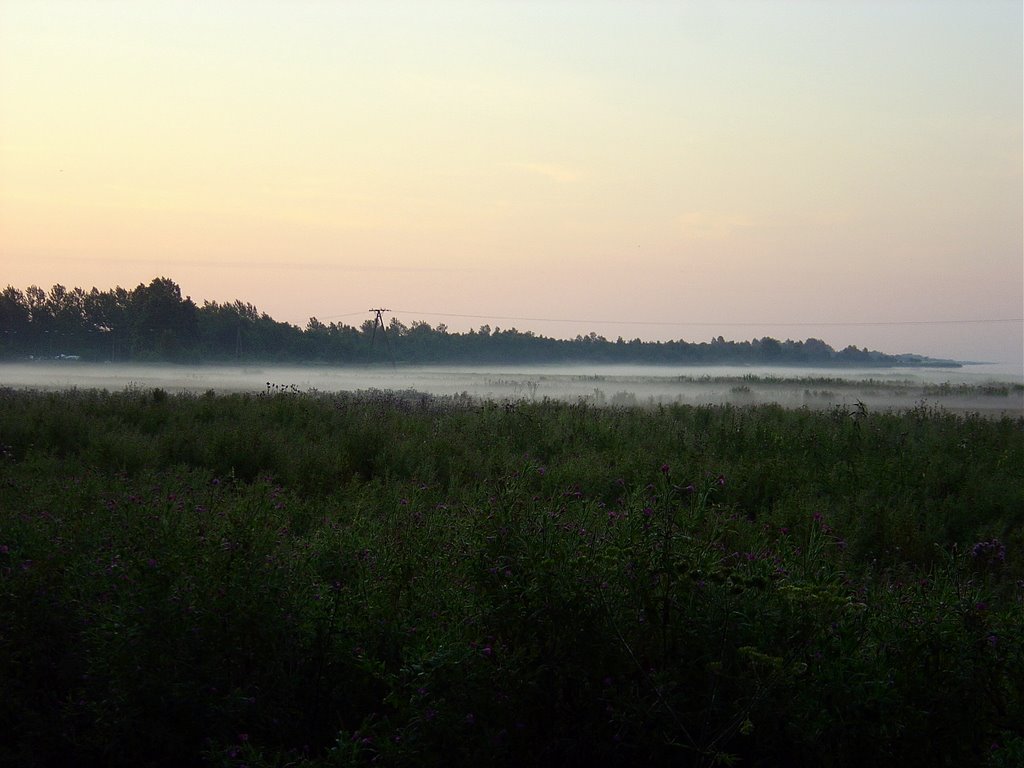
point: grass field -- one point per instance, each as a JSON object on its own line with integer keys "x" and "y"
{"x": 378, "y": 578}
{"x": 987, "y": 392}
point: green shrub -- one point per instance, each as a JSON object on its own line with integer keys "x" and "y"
{"x": 386, "y": 578}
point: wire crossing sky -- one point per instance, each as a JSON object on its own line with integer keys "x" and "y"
{"x": 416, "y": 313}
{"x": 852, "y": 170}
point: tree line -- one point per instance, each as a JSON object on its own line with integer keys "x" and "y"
{"x": 155, "y": 322}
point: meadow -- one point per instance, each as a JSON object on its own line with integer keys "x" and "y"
{"x": 992, "y": 390}
{"x": 296, "y": 578}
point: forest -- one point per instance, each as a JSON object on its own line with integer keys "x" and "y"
{"x": 155, "y": 322}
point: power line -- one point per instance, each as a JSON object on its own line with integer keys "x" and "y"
{"x": 717, "y": 324}
{"x": 702, "y": 323}
{"x": 346, "y": 314}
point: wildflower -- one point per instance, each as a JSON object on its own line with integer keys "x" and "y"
{"x": 665, "y": 469}
{"x": 991, "y": 553}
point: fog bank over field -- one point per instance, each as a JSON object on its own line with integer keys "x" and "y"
{"x": 984, "y": 388}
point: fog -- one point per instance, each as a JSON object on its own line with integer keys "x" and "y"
{"x": 989, "y": 389}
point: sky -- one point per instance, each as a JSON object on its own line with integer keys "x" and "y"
{"x": 846, "y": 170}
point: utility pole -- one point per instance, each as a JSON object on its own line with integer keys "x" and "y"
{"x": 379, "y": 320}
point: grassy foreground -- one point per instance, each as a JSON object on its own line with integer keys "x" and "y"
{"x": 391, "y": 579}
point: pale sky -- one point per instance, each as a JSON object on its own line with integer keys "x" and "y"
{"x": 646, "y": 169}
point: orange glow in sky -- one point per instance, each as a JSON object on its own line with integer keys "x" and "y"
{"x": 770, "y": 168}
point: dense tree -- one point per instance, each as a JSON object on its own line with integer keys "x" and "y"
{"x": 15, "y": 322}
{"x": 108, "y": 313}
{"x": 164, "y": 326}
{"x": 154, "y": 322}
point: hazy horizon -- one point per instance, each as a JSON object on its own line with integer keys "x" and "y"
{"x": 847, "y": 171}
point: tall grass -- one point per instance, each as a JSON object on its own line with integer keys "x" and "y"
{"x": 386, "y": 578}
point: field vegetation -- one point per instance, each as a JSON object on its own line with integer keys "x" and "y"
{"x": 380, "y": 578}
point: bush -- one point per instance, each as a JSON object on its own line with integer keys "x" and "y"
{"x": 387, "y": 578}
